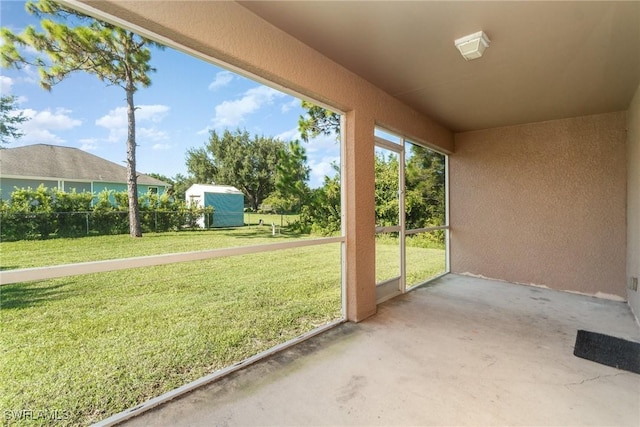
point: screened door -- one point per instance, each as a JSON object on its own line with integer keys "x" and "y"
{"x": 411, "y": 214}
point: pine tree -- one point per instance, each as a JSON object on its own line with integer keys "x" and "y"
{"x": 70, "y": 42}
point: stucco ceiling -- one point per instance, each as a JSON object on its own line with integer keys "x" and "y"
{"x": 547, "y": 60}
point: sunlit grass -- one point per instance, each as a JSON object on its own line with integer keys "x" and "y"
{"x": 94, "y": 345}
{"x": 424, "y": 258}
{"x": 253, "y": 218}
{"x": 39, "y": 253}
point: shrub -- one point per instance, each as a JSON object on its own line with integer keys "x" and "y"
{"x": 72, "y": 212}
{"x": 321, "y": 214}
{"x": 106, "y": 218}
{"x": 42, "y": 213}
{"x": 161, "y": 213}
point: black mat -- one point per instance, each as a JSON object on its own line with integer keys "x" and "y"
{"x": 608, "y": 350}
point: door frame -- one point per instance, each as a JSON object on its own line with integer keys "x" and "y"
{"x": 389, "y": 288}
{"x": 394, "y": 286}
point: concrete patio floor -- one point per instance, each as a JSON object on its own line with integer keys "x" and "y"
{"x": 462, "y": 351}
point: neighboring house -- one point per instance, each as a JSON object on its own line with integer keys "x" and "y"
{"x": 67, "y": 169}
{"x": 227, "y": 202}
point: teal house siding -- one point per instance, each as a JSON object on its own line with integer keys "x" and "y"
{"x": 99, "y": 187}
{"x": 67, "y": 169}
{"x": 9, "y": 185}
{"x": 78, "y": 187}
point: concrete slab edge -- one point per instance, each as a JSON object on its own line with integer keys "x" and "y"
{"x": 170, "y": 395}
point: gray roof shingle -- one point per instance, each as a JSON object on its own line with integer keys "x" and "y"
{"x": 52, "y": 161}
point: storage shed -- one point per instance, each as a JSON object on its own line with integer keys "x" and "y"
{"x": 227, "y": 201}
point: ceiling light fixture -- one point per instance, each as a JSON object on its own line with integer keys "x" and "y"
{"x": 473, "y": 45}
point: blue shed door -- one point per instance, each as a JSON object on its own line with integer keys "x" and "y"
{"x": 228, "y": 209}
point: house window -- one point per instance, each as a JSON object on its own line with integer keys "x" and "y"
{"x": 153, "y": 190}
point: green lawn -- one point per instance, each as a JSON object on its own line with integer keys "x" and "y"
{"x": 253, "y": 218}
{"x": 93, "y": 345}
{"x": 39, "y": 253}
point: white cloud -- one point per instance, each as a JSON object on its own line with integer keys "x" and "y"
{"x": 289, "y": 135}
{"x": 321, "y": 168}
{"x": 161, "y": 146}
{"x": 232, "y": 113}
{"x": 116, "y": 122}
{"x": 118, "y": 116}
{"x": 5, "y": 85}
{"x": 204, "y": 131}
{"x": 323, "y": 143}
{"x": 322, "y": 151}
{"x": 221, "y": 79}
{"x": 114, "y": 119}
{"x": 89, "y": 144}
{"x": 30, "y": 75}
{"x": 40, "y": 125}
{"x": 56, "y": 120}
{"x": 30, "y": 50}
{"x": 152, "y": 134}
{"x": 295, "y": 102}
{"x": 153, "y": 113}
{"x": 41, "y": 136}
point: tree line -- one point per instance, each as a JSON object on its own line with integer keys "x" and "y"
{"x": 274, "y": 174}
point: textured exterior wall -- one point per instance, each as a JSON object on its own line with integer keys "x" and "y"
{"x": 543, "y": 204}
{"x": 633, "y": 199}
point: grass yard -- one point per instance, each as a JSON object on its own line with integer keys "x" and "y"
{"x": 253, "y": 218}
{"x": 91, "y": 346}
{"x": 86, "y": 347}
{"x": 423, "y": 261}
{"x": 40, "y": 253}
{"x": 422, "y": 264}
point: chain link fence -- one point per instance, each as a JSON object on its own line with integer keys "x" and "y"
{"x": 42, "y": 225}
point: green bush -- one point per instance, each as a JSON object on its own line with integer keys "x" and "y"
{"x": 107, "y": 217}
{"x": 161, "y": 213}
{"x": 427, "y": 240}
{"x": 72, "y": 212}
{"x": 44, "y": 213}
{"x": 321, "y": 212}
{"x": 14, "y": 224}
{"x": 29, "y": 215}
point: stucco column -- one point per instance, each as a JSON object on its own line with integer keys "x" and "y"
{"x": 633, "y": 201}
{"x": 359, "y": 215}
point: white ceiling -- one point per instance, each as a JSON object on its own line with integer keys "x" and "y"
{"x": 547, "y": 60}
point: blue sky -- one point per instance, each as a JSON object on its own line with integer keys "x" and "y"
{"x": 187, "y": 98}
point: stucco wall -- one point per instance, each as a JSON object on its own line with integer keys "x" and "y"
{"x": 633, "y": 199}
{"x": 543, "y": 204}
